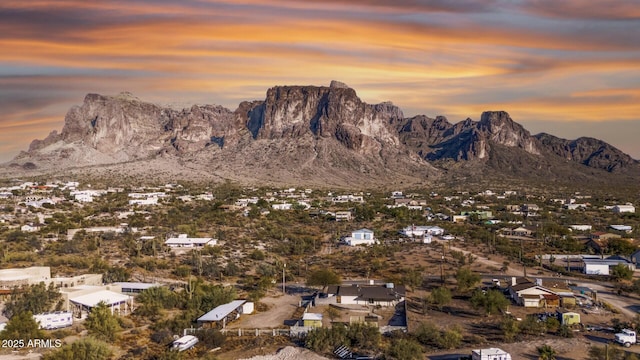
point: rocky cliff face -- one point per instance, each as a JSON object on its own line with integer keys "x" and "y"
{"x": 308, "y": 132}
{"x": 437, "y": 139}
{"x": 327, "y": 112}
{"x": 588, "y": 151}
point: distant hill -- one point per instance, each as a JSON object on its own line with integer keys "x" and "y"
{"x": 313, "y": 135}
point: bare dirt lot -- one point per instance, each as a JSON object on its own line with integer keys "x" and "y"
{"x": 280, "y": 308}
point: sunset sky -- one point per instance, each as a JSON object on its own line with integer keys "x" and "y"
{"x": 570, "y": 68}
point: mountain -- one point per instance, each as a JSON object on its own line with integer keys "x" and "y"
{"x": 588, "y": 151}
{"x": 314, "y": 135}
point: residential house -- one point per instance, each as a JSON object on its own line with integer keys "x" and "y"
{"x": 361, "y": 237}
{"x": 521, "y": 231}
{"x": 628, "y": 208}
{"x": 30, "y": 227}
{"x": 490, "y": 354}
{"x": 284, "y": 206}
{"x": 183, "y": 241}
{"x": 347, "y": 198}
{"x": 460, "y": 218}
{"x": 625, "y": 228}
{"x": 144, "y": 201}
{"x": 418, "y": 231}
{"x": 598, "y": 241}
{"x": 384, "y": 295}
{"x": 530, "y": 294}
{"x": 600, "y": 235}
{"x": 580, "y": 227}
{"x": 478, "y": 214}
{"x": 343, "y": 216}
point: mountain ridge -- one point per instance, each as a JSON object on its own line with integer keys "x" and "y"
{"x": 321, "y": 132}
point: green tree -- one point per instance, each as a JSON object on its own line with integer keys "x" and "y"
{"x": 412, "y": 278}
{"x": 440, "y": 297}
{"x": 451, "y": 338}
{"x": 509, "y": 328}
{"x": 546, "y": 352}
{"x": 532, "y": 326}
{"x": 36, "y": 298}
{"x": 565, "y": 331}
{"x": 153, "y": 300}
{"x": 405, "y": 349}
{"x": 621, "y": 272}
{"x": 491, "y": 302}
{"x": 466, "y": 279}
{"x": 428, "y": 334}
{"x": 115, "y": 274}
{"x": 22, "y": 326}
{"x": 323, "y": 277}
{"x": 102, "y": 324}
{"x": 82, "y": 349}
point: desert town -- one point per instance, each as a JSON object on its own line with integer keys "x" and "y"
{"x": 176, "y": 271}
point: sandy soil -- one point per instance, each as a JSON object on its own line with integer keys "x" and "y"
{"x": 280, "y": 309}
{"x": 290, "y": 353}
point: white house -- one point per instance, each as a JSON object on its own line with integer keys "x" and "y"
{"x": 285, "y": 206}
{"x": 418, "y": 231}
{"x": 529, "y": 294}
{"x": 361, "y": 237}
{"x": 625, "y": 228}
{"x": 30, "y": 228}
{"x": 183, "y": 241}
{"x": 581, "y": 227}
{"x": 628, "y": 208}
{"x": 343, "y": 215}
{"x": 387, "y": 294}
{"x": 490, "y": 354}
{"x": 144, "y": 201}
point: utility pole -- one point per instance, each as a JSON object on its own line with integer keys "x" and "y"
{"x": 442, "y": 266}
{"x": 284, "y": 266}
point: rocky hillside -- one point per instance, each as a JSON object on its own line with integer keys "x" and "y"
{"x": 588, "y": 151}
{"x": 307, "y": 134}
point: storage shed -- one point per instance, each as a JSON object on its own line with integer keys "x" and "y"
{"x": 567, "y": 317}
{"x": 312, "y": 320}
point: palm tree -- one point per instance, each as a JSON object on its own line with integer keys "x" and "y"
{"x": 546, "y": 352}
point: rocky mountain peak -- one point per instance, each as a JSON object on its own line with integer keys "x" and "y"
{"x": 335, "y": 84}
{"x": 328, "y": 112}
{"x": 302, "y": 132}
{"x": 500, "y": 128}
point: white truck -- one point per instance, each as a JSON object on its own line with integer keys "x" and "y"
{"x": 626, "y": 338}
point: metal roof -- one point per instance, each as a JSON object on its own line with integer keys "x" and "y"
{"x": 136, "y": 285}
{"x": 490, "y": 351}
{"x": 221, "y": 311}
{"x": 181, "y": 240}
{"x": 106, "y": 296}
{"x": 312, "y": 316}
